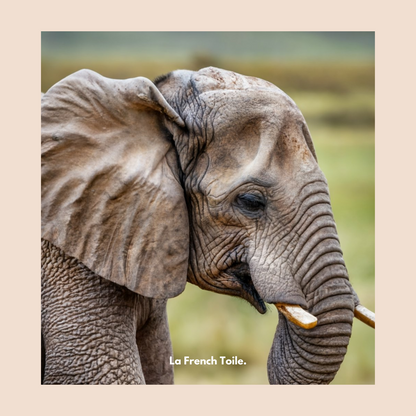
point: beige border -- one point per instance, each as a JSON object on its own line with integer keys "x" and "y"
{"x": 393, "y": 24}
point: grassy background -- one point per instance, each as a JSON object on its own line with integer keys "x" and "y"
{"x": 331, "y": 78}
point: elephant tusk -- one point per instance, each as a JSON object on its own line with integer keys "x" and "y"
{"x": 297, "y": 315}
{"x": 365, "y": 315}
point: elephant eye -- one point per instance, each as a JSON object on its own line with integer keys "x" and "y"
{"x": 251, "y": 203}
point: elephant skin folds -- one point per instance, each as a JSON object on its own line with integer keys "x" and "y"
{"x": 90, "y": 325}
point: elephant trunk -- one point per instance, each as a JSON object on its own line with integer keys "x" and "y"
{"x": 307, "y": 270}
{"x": 314, "y": 355}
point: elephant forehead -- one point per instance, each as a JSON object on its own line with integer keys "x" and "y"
{"x": 232, "y": 109}
{"x": 236, "y": 117}
{"x": 215, "y": 78}
{"x": 267, "y": 150}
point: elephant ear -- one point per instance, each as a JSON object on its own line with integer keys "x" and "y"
{"x": 111, "y": 194}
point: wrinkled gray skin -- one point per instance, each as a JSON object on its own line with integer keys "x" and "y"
{"x": 250, "y": 208}
{"x": 98, "y": 328}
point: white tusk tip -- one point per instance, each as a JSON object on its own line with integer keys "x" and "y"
{"x": 297, "y": 315}
{"x": 365, "y": 315}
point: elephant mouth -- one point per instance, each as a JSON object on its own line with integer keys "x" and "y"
{"x": 241, "y": 273}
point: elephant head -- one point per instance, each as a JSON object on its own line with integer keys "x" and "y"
{"x": 210, "y": 177}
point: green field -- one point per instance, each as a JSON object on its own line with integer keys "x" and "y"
{"x": 338, "y": 103}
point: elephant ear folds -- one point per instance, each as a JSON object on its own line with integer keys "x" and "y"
{"x": 111, "y": 195}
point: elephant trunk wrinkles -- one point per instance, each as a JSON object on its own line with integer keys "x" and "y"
{"x": 316, "y": 267}
{"x": 313, "y": 356}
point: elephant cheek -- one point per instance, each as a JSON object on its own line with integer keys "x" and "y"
{"x": 313, "y": 356}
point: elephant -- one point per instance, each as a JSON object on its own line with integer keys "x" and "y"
{"x": 208, "y": 177}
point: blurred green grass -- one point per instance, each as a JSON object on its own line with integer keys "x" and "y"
{"x": 337, "y": 100}
{"x": 330, "y": 77}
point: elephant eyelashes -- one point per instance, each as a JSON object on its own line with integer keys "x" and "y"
{"x": 251, "y": 203}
